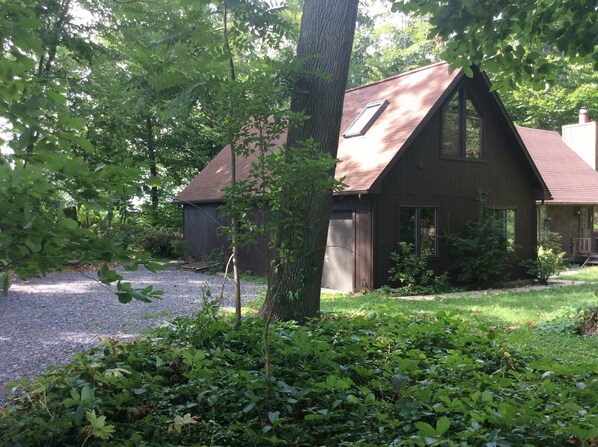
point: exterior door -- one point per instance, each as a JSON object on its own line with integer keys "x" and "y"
{"x": 339, "y": 260}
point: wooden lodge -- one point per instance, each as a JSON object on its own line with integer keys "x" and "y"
{"x": 416, "y": 151}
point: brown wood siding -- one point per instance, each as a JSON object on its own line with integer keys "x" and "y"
{"x": 564, "y": 219}
{"x": 423, "y": 178}
{"x": 201, "y": 223}
{"x": 364, "y": 267}
{"x": 200, "y": 228}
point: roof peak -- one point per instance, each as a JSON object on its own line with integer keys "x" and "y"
{"x": 400, "y": 75}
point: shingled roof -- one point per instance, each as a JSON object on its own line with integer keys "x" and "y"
{"x": 570, "y": 180}
{"x": 412, "y": 98}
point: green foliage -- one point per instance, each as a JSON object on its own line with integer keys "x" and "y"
{"x": 163, "y": 243}
{"x": 373, "y": 380}
{"x": 386, "y": 45}
{"x": 216, "y": 260}
{"x": 124, "y": 290}
{"x": 482, "y": 256}
{"x": 515, "y": 38}
{"x": 574, "y": 319}
{"x": 47, "y": 172}
{"x": 278, "y": 184}
{"x": 97, "y": 427}
{"x": 549, "y": 258}
{"x": 412, "y": 274}
{"x": 553, "y": 105}
{"x": 165, "y": 215}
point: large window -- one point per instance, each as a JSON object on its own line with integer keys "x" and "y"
{"x": 417, "y": 226}
{"x": 461, "y": 128}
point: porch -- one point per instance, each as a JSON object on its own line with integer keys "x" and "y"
{"x": 582, "y": 252}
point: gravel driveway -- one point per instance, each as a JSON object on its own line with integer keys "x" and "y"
{"x": 45, "y": 321}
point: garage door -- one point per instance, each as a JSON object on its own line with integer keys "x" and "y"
{"x": 339, "y": 261}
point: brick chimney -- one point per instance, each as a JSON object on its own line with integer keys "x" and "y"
{"x": 584, "y": 116}
{"x": 583, "y": 138}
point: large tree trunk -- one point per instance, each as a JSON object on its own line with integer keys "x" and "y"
{"x": 327, "y": 30}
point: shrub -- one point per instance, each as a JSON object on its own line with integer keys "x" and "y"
{"x": 216, "y": 260}
{"x": 549, "y": 258}
{"x": 163, "y": 242}
{"x": 482, "y": 257}
{"x": 412, "y": 274}
{"x": 361, "y": 381}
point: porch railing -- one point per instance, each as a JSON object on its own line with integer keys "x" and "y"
{"x": 582, "y": 246}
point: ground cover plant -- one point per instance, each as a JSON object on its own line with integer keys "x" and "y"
{"x": 412, "y": 276}
{"x": 365, "y": 379}
{"x": 537, "y": 321}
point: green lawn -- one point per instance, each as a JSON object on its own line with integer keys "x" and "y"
{"x": 518, "y": 313}
{"x": 589, "y": 274}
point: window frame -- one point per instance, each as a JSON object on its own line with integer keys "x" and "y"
{"x": 418, "y": 228}
{"x": 501, "y": 214}
{"x": 463, "y": 95}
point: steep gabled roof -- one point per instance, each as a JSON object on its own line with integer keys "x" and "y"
{"x": 569, "y": 179}
{"x": 411, "y": 99}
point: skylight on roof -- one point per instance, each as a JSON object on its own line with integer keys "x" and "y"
{"x": 365, "y": 119}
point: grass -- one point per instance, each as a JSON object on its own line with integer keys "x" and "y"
{"x": 519, "y": 313}
{"x": 589, "y": 274}
{"x": 507, "y": 308}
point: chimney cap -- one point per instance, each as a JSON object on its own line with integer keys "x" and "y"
{"x": 584, "y": 117}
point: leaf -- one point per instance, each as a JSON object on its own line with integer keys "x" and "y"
{"x": 87, "y": 146}
{"x": 425, "y": 429}
{"x": 86, "y": 394}
{"x": 273, "y": 416}
{"x": 442, "y": 425}
{"x": 56, "y": 97}
{"x": 399, "y": 380}
{"x": 98, "y": 427}
{"x": 77, "y": 123}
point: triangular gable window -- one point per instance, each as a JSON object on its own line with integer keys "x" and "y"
{"x": 365, "y": 119}
{"x": 461, "y": 128}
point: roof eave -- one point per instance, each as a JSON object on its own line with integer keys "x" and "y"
{"x": 197, "y": 202}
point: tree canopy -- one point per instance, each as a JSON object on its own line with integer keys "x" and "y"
{"x": 513, "y": 37}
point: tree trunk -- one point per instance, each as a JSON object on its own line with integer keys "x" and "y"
{"x": 153, "y": 162}
{"x": 233, "y": 179}
{"x": 327, "y": 30}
